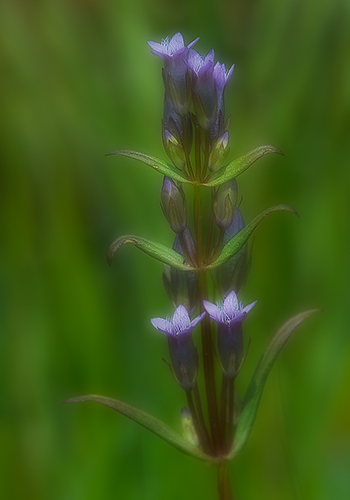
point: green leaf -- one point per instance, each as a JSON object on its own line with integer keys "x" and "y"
{"x": 155, "y": 250}
{"x": 252, "y": 397}
{"x": 158, "y": 165}
{"x": 238, "y": 166}
{"x": 148, "y": 421}
{"x": 236, "y": 243}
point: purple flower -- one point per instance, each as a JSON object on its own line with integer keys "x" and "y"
{"x": 203, "y": 87}
{"x": 208, "y": 85}
{"x": 179, "y": 324}
{"x": 221, "y": 77}
{"x": 229, "y": 316}
{"x": 183, "y": 354}
{"x": 167, "y": 49}
{"x": 176, "y": 78}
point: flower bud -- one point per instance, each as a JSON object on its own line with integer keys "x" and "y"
{"x": 188, "y": 429}
{"x": 178, "y": 90}
{"x": 174, "y": 150}
{"x": 219, "y": 153}
{"x": 181, "y": 286}
{"x": 174, "y": 205}
{"x": 233, "y": 273}
{"x": 173, "y": 122}
{"x": 225, "y": 201}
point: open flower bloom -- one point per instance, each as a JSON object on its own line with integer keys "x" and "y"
{"x": 176, "y": 78}
{"x": 208, "y": 85}
{"x": 183, "y": 353}
{"x": 229, "y": 316}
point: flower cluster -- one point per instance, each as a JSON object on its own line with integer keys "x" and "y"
{"x": 196, "y": 139}
{"x": 211, "y": 242}
{"x": 189, "y": 77}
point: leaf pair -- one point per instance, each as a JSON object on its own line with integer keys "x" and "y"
{"x": 250, "y": 402}
{"x": 174, "y": 259}
{"x": 225, "y": 174}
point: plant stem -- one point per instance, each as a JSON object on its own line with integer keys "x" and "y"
{"x": 202, "y": 440}
{"x": 231, "y": 408}
{"x": 224, "y": 488}
{"x": 224, "y": 409}
{"x": 206, "y": 437}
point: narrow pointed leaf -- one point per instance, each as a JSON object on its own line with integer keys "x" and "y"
{"x": 252, "y": 397}
{"x": 155, "y": 163}
{"x": 152, "y": 248}
{"x": 236, "y": 243}
{"x": 238, "y": 166}
{"x": 148, "y": 421}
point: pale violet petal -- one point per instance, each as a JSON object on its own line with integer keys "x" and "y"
{"x": 157, "y": 47}
{"x": 176, "y": 43}
{"x": 180, "y": 320}
{"x": 162, "y": 325}
{"x": 196, "y": 320}
{"x": 231, "y": 307}
{"x": 212, "y": 310}
{"x": 249, "y": 307}
{"x": 193, "y": 43}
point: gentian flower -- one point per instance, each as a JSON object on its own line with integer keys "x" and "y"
{"x": 208, "y": 85}
{"x": 221, "y": 77}
{"x": 203, "y": 87}
{"x": 183, "y": 353}
{"x": 229, "y": 316}
{"x": 176, "y": 77}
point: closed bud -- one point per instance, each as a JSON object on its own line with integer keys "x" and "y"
{"x": 233, "y": 273}
{"x": 174, "y": 150}
{"x": 181, "y": 286}
{"x": 188, "y": 429}
{"x": 174, "y": 205}
{"x": 179, "y": 95}
{"x": 224, "y": 206}
{"x": 219, "y": 153}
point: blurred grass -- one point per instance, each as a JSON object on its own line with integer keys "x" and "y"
{"x": 77, "y": 81}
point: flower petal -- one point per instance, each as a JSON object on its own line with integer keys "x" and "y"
{"x": 196, "y": 320}
{"x": 249, "y": 307}
{"x": 181, "y": 318}
{"x": 212, "y": 310}
{"x": 162, "y": 325}
{"x": 176, "y": 43}
{"x": 231, "y": 307}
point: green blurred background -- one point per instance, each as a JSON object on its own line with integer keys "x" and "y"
{"x": 77, "y": 81}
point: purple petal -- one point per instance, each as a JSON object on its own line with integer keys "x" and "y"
{"x": 249, "y": 307}
{"x": 192, "y": 43}
{"x": 162, "y": 325}
{"x": 212, "y": 310}
{"x": 231, "y": 307}
{"x": 181, "y": 320}
{"x": 194, "y": 60}
{"x": 176, "y": 43}
{"x": 199, "y": 318}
